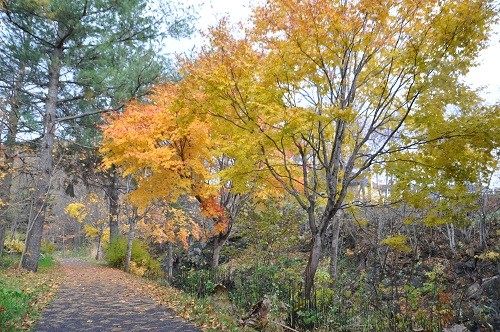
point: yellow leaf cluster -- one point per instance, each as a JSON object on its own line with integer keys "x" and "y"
{"x": 178, "y": 225}
{"x": 397, "y": 242}
{"x": 14, "y": 245}
{"x": 91, "y": 231}
{"x": 137, "y": 270}
{"x": 493, "y": 256}
{"x": 76, "y": 210}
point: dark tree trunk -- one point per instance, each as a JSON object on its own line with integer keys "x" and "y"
{"x": 334, "y": 251}
{"x": 482, "y": 233}
{"x": 312, "y": 266}
{"x": 3, "y": 228}
{"x": 131, "y": 236}
{"x": 113, "y": 195}
{"x": 482, "y": 221}
{"x": 219, "y": 242}
{"x": 33, "y": 241}
{"x": 170, "y": 261}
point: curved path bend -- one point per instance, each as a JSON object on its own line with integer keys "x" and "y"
{"x": 95, "y": 298}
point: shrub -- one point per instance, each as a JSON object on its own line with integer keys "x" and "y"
{"x": 144, "y": 264}
{"x": 200, "y": 282}
{"x": 14, "y": 246}
{"x": 115, "y": 252}
{"x": 48, "y": 248}
{"x": 8, "y": 261}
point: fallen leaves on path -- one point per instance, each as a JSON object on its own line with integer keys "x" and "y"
{"x": 200, "y": 311}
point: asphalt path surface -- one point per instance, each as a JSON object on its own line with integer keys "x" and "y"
{"x": 97, "y": 298}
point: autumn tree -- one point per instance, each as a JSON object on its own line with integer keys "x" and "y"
{"x": 159, "y": 143}
{"x": 90, "y": 56}
{"x": 170, "y": 224}
{"x": 163, "y": 141}
{"x": 90, "y": 212}
{"x": 315, "y": 93}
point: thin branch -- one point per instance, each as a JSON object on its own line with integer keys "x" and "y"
{"x": 78, "y": 116}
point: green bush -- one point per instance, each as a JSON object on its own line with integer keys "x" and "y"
{"x": 13, "y": 304}
{"x": 9, "y": 260}
{"x": 116, "y": 251}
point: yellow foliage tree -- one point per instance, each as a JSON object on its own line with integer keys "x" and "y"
{"x": 93, "y": 215}
{"x": 315, "y": 93}
{"x": 76, "y": 210}
{"x": 309, "y": 98}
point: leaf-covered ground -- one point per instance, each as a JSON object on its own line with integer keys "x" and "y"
{"x": 99, "y": 298}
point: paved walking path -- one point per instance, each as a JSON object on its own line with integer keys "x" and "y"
{"x": 96, "y": 298}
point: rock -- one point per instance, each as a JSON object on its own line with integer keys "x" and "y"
{"x": 474, "y": 292}
{"x": 491, "y": 288}
{"x": 456, "y": 328}
{"x": 470, "y": 264}
{"x": 258, "y": 318}
{"x": 481, "y": 308}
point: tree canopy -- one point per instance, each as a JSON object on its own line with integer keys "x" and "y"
{"x": 315, "y": 95}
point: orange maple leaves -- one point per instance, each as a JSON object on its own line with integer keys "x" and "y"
{"x": 165, "y": 223}
{"x": 161, "y": 144}
{"x": 165, "y": 146}
{"x": 210, "y": 208}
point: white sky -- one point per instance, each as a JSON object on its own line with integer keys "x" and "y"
{"x": 486, "y": 75}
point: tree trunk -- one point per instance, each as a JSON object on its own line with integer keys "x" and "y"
{"x": 482, "y": 233}
{"x": 33, "y": 241}
{"x": 3, "y": 228}
{"x": 216, "y": 254}
{"x": 170, "y": 261}
{"x": 312, "y": 266}
{"x": 131, "y": 235}
{"x": 450, "y": 228}
{"x": 380, "y": 236}
{"x": 78, "y": 239}
{"x": 113, "y": 195}
{"x": 63, "y": 245}
{"x": 482, "y": 221}
{"x": 218, "y": 244}
{"x": 334, "y": 253}
{"x": 98, "y": 255}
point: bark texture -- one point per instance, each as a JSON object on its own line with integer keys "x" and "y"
{"x": 31, "y": 252}
{"x": 113, "y": 196}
